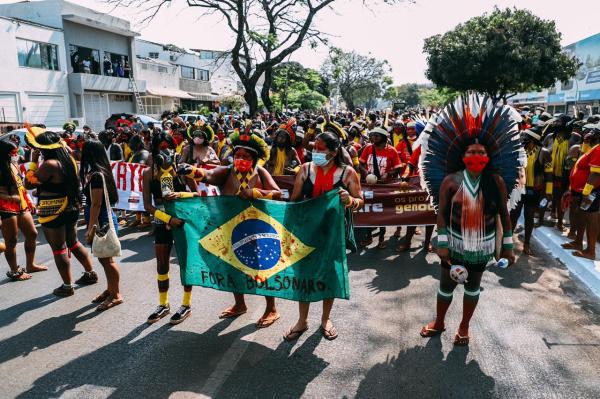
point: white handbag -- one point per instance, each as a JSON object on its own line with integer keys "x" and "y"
{"x": 106, "y": 244}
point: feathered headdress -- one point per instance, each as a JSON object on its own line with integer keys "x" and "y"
{"x": 202, "y": 126}
{"x": 31, "y": 139}
{"x": 335, "y": 129}
{"x": 471, "y": 116}
{"x": 251, "y": 142}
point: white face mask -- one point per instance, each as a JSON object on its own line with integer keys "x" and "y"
{"x": 198, "y": 140}
{"x": 14, "y": 158}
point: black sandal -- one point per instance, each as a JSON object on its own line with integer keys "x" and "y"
{"x": 330, "y": 334}
{"x": 18, "y": 275}
{"x": 291, "y": 335}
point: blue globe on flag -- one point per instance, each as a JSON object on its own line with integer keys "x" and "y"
{"x": 256, "y": 244}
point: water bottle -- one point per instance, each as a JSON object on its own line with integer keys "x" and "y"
{"x": 544, "y": 203}
{"x": 586, "y": 206}
{"x": 502, "y": 263}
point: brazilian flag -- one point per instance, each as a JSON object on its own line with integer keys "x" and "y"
{"x": 295, "y": 251}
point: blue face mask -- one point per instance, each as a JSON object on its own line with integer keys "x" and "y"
{"x": 320, "y": 158}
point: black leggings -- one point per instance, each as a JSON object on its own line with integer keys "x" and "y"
{"x": 472, "y": 285}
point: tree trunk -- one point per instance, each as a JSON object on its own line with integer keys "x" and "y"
{"x": 252, "y": 101}
{"x": 264, "y": 93}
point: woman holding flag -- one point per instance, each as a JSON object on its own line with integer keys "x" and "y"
{"x": 326, "y": 172}
{"x": 248, "y": 180}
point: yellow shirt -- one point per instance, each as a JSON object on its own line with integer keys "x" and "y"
{"x": 279, "y": 162}
{"x": 559, "y": 153}
{"x": 530, "y": 169}
{"x": 396, "y": 138}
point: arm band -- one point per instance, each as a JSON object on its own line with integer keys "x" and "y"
{"x": 355, "y": 161}
{"x": 549, "y": 188}
{"x": 595, "y": 169}
{"x": 196, "y": 174}
{"x": 32, "y": 166}
{"x": 185, "y": 194}
{"x": 507, "y": 240}
{"x": 163, "y": 217}
{"x": 587, "y": 190}
{"x": 297, "y": 169}
{"x": 257, "y": 194}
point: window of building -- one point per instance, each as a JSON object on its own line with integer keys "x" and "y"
{"x": 84, "y": 60}
{"x": 152, "y": 55}
{"x": 208, "y": 55}
{"x": 163, "y": 69}
{"x": 568, "y": 85}
{"x": 152, "y": 105}
{"x": 202, "y": 74}
{"x": 37, "y": 55}
{"x": 116, "y": 65}
{"x": 187, "y": 72}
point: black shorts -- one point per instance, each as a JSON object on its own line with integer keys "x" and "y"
{"x": 7, "y": 215}
{"x": 64, "y": 219}
{"x": 162, "y": 235}
{"x": 479, "y": 268}
{"x": 595, "y": 207}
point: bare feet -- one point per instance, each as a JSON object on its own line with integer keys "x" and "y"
{"x": 293, "y": 333}
{"x": 560, "y": 227}
{"x": 585, "y": 254}
{"x": 35, "y": 268}
{"x": 233, "y": 311}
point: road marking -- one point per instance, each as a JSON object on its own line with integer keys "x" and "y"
{"x": 229, "y": 361}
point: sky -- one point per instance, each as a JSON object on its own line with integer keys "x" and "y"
{"x": 394, "y": 33}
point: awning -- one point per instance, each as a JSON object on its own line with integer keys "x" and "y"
{"x": 166, "y": 92}
{"x": 204, "y": 96}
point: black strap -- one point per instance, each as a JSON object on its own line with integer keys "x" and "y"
{"x": 376, "y": 171}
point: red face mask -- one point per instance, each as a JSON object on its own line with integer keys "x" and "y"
{"x": 476, "y": 163}
{"x": 242, "y": 165}
{"x": 220, "y": 136}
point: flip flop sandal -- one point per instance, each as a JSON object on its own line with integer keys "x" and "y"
{"x": 264, "y": 323}
{"x": 291, "y": 335}
{"x": 108, "y": 303}
{"x": 461, "y": 341}
{"x": 101, "y": 297}
{"x": 230, "y": 314}
{"x": 581, "y": 254}
{"x": 570, "y": 245}
{"x": 430, "y": 332}
{"x": 18, "y": 275}
{"x": 330, "y": 334}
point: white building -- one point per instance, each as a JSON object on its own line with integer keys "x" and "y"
{"x": 33, "y": 66}
{"x": 99, "y": 52}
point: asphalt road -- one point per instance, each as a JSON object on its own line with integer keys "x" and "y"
{"x": 535, "y": 335}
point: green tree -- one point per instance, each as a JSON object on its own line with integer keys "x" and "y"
{"x": 501, "y": 53}
{"x": 292, "y": 83}
{"x": 437, "y": 97}
{"x": 360, "y": 79}
{"x": 409, "y": 93}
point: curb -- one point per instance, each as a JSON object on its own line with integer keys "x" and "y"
{"x": 586, "y": 270}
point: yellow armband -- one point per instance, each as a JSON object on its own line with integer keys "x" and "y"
{"x": 185, "y": 194}
{"x": 163, "y": 217}
{"x": 355, "y": 161}
{"x": 549, "y": 188}
{"x": 587, "y": 190}
{"x": 297, "y": 169}
{"x": 32, "y": 166}
{"x": 256, "y": 194}
{"x": 595, "y": 169}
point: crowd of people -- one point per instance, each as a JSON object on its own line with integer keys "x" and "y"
{"x": 70, "y": 173}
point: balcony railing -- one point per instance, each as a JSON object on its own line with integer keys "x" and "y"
{"x": 85, "y": 81}
{"x": 194, "y": 86}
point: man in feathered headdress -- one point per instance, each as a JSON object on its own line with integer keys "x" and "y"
{"x": 470, "y": 156}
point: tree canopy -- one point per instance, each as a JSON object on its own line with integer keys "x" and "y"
{"x": 499, "y": 53}
{"x": 360, "y": 79}
{"x": 296, "y": 87}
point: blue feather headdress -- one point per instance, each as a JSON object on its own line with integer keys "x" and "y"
{"x": 471, "y": 116}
